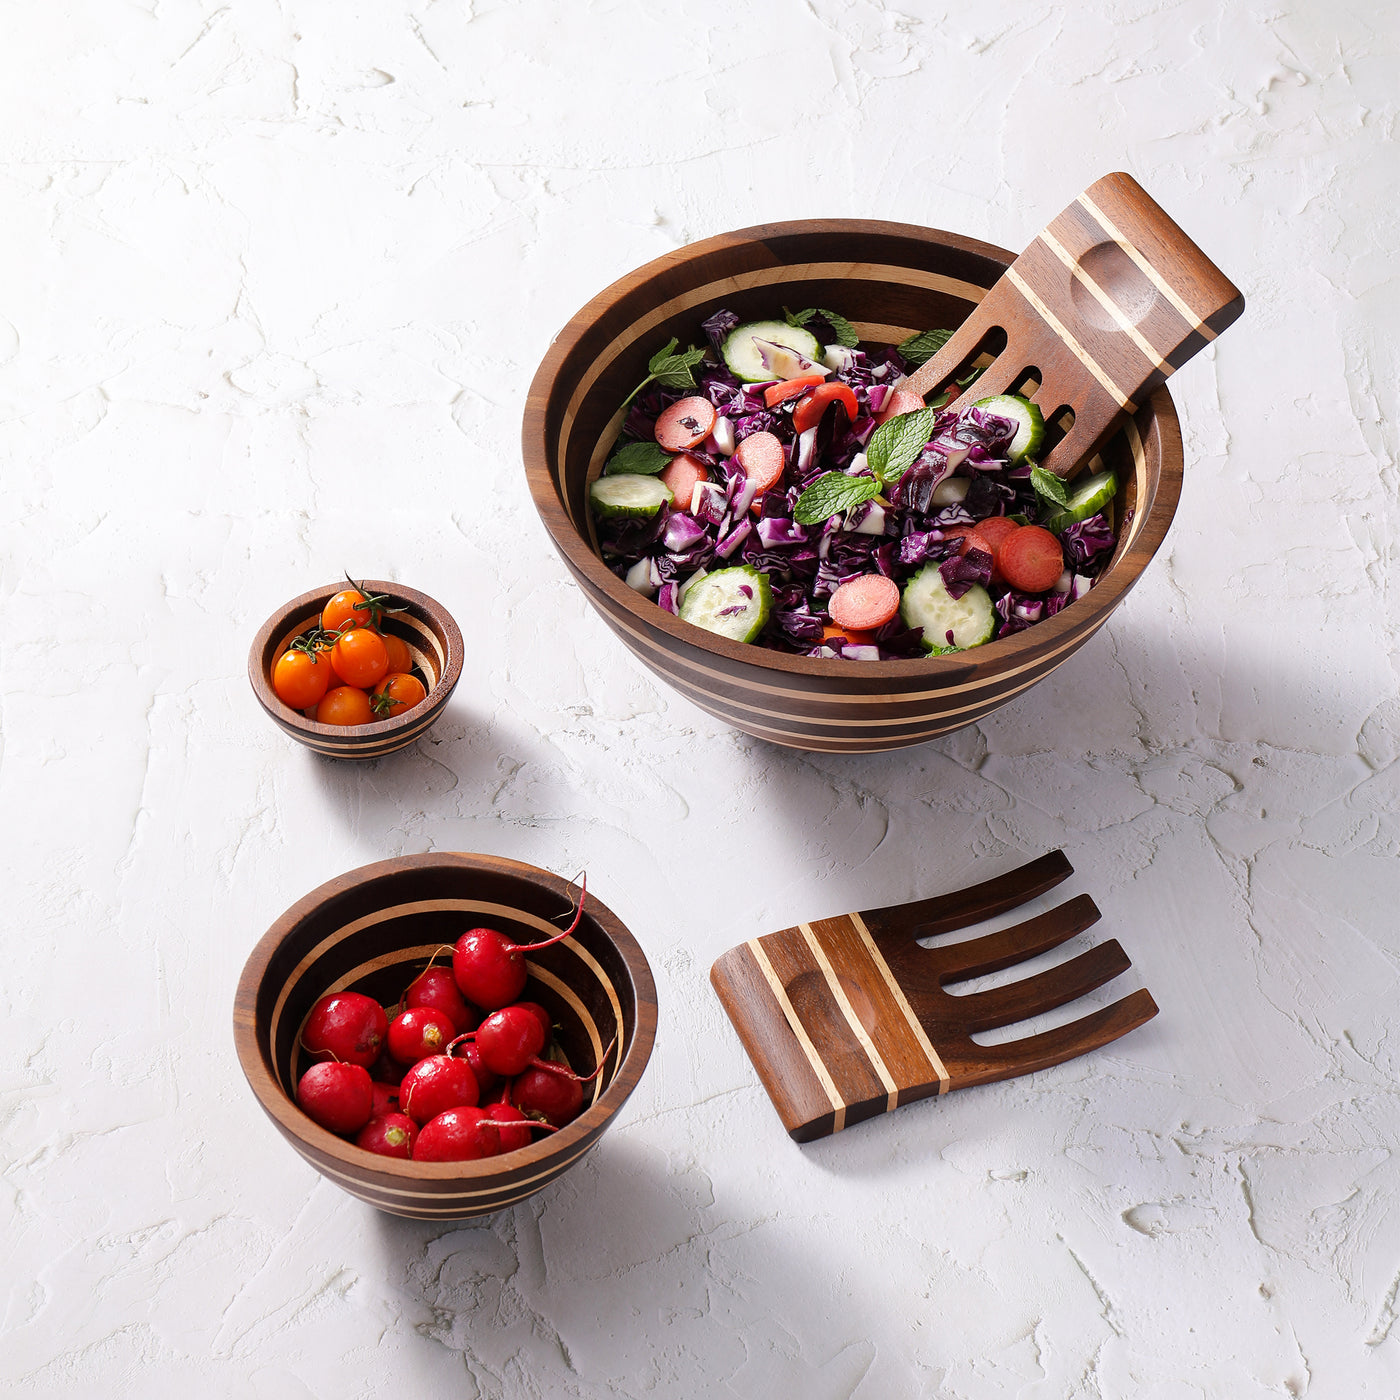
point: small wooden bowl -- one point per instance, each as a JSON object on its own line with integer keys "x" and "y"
{"x": 432, "y": 636}
{"x": 371, "y": 931}
{"x": 891, "y": 280}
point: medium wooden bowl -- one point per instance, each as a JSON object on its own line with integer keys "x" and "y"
{"x": 891, "y": 280}
{"x": 432, "y": 636}
{"x": 371, "y": 931}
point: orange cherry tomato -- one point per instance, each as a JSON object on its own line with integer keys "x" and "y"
{"x": 400, "y": 658}
{"x": 344, "y": 705}
{"x": 809, "y": 410}
{"x": 300, "y": 680}
{"x": 396, "y": 693}
{"x": 348, "y": 606}
{"x": 360, "y": 657}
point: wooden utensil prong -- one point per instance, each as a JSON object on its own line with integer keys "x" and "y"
{"x": 976, "y": 957}
{"x": 1045, "y": 991}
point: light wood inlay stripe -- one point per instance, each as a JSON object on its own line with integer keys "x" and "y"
{"x": 1106, "y": 301}
{"x": 1063, "y": 331}
{"x": 818, "y": 1065}
{"x": 1155, "y": 277}
{"x": 915, "y": 1025}
{"x": 852, "y": 1020}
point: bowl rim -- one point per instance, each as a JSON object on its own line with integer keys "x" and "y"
{"x": 356, "y": 1162}
{"x": 390, "y": 728}
{"x": 1085, "y": 615}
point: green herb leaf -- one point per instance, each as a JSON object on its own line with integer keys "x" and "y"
{"x": 637, "y": 459}
{"x": 841, "y": 328}
{"x": 677, "y": 371}
{"x": 830, "y": 494}
{"x": 1049, "y": 487}
{"x": 923, "y": 346}
{"x": 895, "y": 444}
{"x": 662, "y": 355}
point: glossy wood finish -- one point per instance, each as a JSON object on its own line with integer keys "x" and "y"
{"x": 892, "y": 280}
{"x": 372, "y": 930}
{"x": 1104, "y": 305}
{"x": 432, "y": 637}
{"x": 847, "y": 1018}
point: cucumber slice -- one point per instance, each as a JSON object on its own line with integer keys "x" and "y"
{"x": 719, "y": 604}
{"x": 1088, "y": 498}
{"x": 637, "y": 497}
{"x": 1031, "y": 430}
{"x": 745, "y": 359}
{"x": 928, "y": 604}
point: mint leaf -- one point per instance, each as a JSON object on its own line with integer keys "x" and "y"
{"x": 1049, "y": 487}
{"x": 895, "y": 444}
{"x": 662, "y": 355}
{"x": 841, "y": 328}
{"x": 677, "y": 371}
{"x": 637, "y": 459}
{"x": 923, "y": 346}
{"x": 830, "y": 494}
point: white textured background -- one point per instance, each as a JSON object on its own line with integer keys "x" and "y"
{"x": 275, "y": 278}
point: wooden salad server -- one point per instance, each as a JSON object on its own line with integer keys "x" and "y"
{"x": 847, "y": 1018}
{"x": 1109, "y": 300}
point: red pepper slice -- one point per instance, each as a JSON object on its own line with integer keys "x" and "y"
{"x": 775, "y": 394}
{"x": 809, "y": 412}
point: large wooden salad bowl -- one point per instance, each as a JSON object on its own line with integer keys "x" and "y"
{"x": 891, "y": 280}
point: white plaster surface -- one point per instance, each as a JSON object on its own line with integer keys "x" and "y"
{"x": 276, "y": 274}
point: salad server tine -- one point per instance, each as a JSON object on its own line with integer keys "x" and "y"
{"x": 849, "y": 1017}
{"x": 1105, "y": 304}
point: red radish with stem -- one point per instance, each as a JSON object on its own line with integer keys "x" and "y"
{"x": 545, "y": 1019}
{"x": 386, "y": 1098}
{"x": 436, "y": 1084}
{"x": 487, "y": 1080}
{"x": 346, "y": 1026}
{"x": 553, "y": 1092}
{"x": 456, "y": 1136}
{"x": 515, "y": 1127}
{"x": 436, "y": 987}
{"x": 420, "y": 1031}
{"x": 389, "y": 1134}
{"x": 490, "y": 969}
{"x": 338, "y": 1096}
{"x": 509, "y": 1040}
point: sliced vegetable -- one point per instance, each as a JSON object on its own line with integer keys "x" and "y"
{"x": 1088, "y": 498}
{"x": 899, "y": 401}
{"x": 1030, "y": 429}
{"x": 808, "y": 412}
{"x": 963, "y": 622}
{"x": 789, "y": 389}
{"x": 1031, "y": 559}
{"x": 636, "y": 497}
{"x": 733, "y": 603}
{"x": 744, "y": 355}
{"x": 762, "y": 458}
{"x": 685, "y": 424}
{"x": 865, "y": 603}
{"x": 682, "y": 477}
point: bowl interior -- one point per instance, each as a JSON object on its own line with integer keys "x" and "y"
{"x": 377, "y": 935}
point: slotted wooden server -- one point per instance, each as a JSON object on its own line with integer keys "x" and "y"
{"x": 1108, "y": 301}
{"x": 847, "y": 1018}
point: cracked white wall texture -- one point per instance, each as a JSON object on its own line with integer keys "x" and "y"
{"x": 276, "y": 276}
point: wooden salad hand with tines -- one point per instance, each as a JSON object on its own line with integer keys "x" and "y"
{"x": 1108, "y": 301}
{"x": 847, "y": 1018}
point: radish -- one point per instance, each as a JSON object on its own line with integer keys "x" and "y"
{"x": 487, "y": 1080}
{"x": 456, "y": 1136}
{"x": 436, "y": 1084}
{"x": 436, "y": 987}
{"x": 347, "y": 1026}
{"x": 514, "y": 1129}
{"x": 389, "y": 1134}
{"x": 545, "y": 1019}
{"x": 420, "y": 1031}
{"x": 490, "y": 969}
{"x": 336, "y": 1095}
{"x": 509, "y": 1040}
{"x": 553, "y": 1092}
{"x": 386, "y": 1098}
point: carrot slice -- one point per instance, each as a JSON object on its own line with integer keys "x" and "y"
{"x": 864, "y": 603}
{"x": 762, "y": 458}
{"x": 1031, "y": 559}
{"x": 809, "y": 412}
{"x": 901, "y": 401}
{"x": 775, "y": 394}
{"x": 681, "y": 479}
{"x": 686, "y": 424}
{"x": 853, "y": 635}
{"x": 995, "y": 529}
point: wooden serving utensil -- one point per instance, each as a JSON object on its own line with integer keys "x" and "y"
{"x": 1109, "y": 300}
{"x": 847, "y": 1018}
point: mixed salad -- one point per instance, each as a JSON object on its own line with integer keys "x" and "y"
{"x": 780, "y": 487}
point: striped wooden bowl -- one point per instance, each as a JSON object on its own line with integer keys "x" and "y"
{"x": 372, "y": 931}
{"x": 432, "y": 637}
{"x": 891, "y": 280}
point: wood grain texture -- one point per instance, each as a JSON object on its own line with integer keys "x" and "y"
{"x": 433, "y": 639}
{"x": 1104, "y": 305}
{"x": 847, "y": 1018}
{"x": 896, "y": 276}
{"x": 372, "y": 930}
